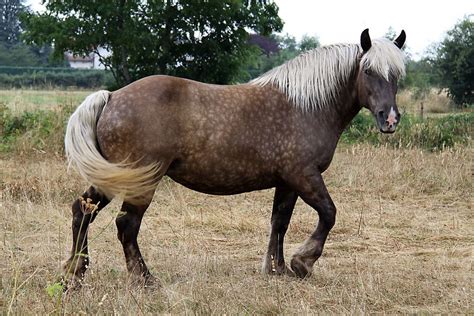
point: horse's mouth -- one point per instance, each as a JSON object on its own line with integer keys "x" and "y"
{"x": 389, "y": 131}
{"x": 387, "y": 128}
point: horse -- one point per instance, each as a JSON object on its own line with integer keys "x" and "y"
{"x": 279, "y": 131}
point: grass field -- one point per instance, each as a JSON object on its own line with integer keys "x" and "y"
{"x": 19, "y": 100}
{"x": 403, "y": 242}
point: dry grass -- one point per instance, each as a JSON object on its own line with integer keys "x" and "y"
{"x": 434, "y": 102}
{"x": 402, "y": 243}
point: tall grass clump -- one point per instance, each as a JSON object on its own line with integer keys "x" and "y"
{"x": 36, "y": 130}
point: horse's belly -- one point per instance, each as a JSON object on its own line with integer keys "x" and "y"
{"x": 220, "y": 179}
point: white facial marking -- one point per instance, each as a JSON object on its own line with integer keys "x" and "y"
{"x": 392, "y": 117}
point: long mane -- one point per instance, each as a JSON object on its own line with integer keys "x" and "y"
{"x": 312, "y": 80}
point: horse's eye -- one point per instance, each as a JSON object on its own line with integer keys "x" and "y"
{"x": 367, "y": 72}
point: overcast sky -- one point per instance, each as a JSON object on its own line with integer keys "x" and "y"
{"x": 337, "y": 21}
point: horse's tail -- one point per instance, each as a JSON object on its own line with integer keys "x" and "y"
{"x": 113, "y": 179}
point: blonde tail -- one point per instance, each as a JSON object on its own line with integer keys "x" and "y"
{"x": 113, "y": 179}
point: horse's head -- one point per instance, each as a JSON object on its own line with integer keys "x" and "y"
{"x": 382, "y": 64}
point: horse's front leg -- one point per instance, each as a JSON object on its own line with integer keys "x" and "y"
{"x": 283, "y": 204}
{"x": 84, "y": 211}
{"x": 312, "y": 190}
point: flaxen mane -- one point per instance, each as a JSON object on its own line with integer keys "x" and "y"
{"x": 312, "y": 80}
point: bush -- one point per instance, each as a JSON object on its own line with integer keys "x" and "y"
{"x": 40, "y": 130}
{"x": 45, "y": 78}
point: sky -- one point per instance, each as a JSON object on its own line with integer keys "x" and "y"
{"x": 342, "y": 21}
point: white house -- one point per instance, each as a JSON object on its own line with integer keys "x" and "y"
{"x": 90, "y": 61}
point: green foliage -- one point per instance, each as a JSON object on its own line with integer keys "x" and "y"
{"x": 38, "y": 129}
{"x": 27, "y": 56}
{"x": 19, "y": 54}
{"x": 14, "y": 70}
{"x": 455, "y": 61}
{"x": 289, "y": 48}
{"x": 54, "y": 290}
{"x": 43, "y": 77}
{"x": 12, "y": 51}
{"x": 308, "y": 43}
{"x": 431, "y": 133}
{"x": 202, "y": 40}
{"x": 9, "y": 23}
{"x": 421, "y": 76}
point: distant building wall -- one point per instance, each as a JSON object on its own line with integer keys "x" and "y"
{"x": 91, "y": 61}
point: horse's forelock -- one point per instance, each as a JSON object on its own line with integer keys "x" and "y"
{"x": 384, "y": 58}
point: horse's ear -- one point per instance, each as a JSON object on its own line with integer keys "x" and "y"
{"x": 365, "y": 41}
{"x": 400, "y": 40}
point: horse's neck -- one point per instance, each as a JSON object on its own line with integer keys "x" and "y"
{"x": 346, "y": 107}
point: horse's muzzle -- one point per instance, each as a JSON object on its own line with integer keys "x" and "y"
{"x": 388, "y": 121}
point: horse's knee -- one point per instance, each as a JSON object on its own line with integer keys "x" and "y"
{"x": 331, "y": 219}
{"x": 122, "y": 223}
{"x": 328, "y": 216}
{"x": 79, "y": 219}
{"x": 127, "y": 227}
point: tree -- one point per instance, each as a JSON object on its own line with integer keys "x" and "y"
{"x": 288, "y": 48}
{"x": 454, "y": 59}
{"x": 308, "y": 43}
{"x": 202, "y": 40}
{"x": 9, "y": 23}
{"x": 391, "y": 34}
{"x": 13, "y": 52}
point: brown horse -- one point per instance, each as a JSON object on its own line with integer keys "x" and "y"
{"x": 280, "y": 130}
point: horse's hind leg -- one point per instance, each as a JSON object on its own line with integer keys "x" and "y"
{"x": 128, "y": 225}
{"x": 283, "y": 204}
{"x": 84, "y": 211}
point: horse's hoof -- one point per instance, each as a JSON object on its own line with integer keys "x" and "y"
{"x": 69, "y": 283}
{"x": 270, "y": 267}
{"x": 147, "y": 281}
{"x": 150, "y": 282}
{"x": 300, "y": 269}
{"x": 282, "y": 269}
{"x": 267, "y": 265}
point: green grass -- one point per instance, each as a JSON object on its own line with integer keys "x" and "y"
{"x": 37, "y": 130}
{"x": 432, "y": 133}
{"x": 28, "y": 100}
